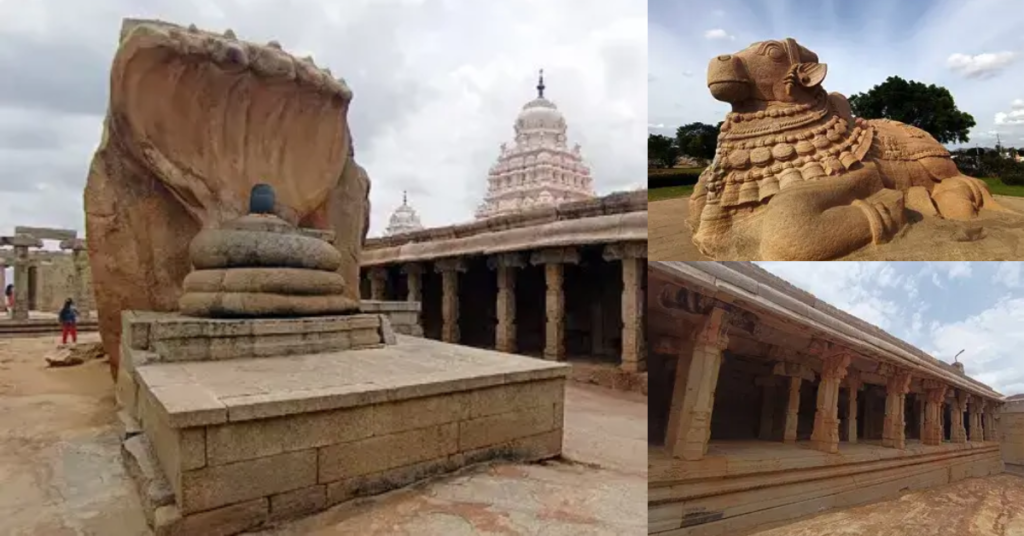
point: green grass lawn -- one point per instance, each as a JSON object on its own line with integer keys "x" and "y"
{"x": 671, "y": 192}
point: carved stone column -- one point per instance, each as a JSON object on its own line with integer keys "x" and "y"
{"x": 449, "y": 270}
{"x": 853, "y": 384}
{"x": 957, "y": 431}
{"x": 897, "y": 387}
{"x": 21, "y": 243}
{"x": 796, "y": 373}
{"x": 378, "y": 282}
{"x": 935, "y": 395}
{"x": 634, "y": 348}
{"x": 689, "y": 425}
{"x": 977, "y": 429}
{"x": 991, "y": 430}
{"x": 554, "y": 261}
{"x": 3, "y": 276}
{"x": 78, "y": 261}
{"x": 835, "y": 359}
{"x": 768, "y": 389}
{"x": 413, "y": 282}
{"x": 921, "y": 403}
{"x": 505, "y": 265}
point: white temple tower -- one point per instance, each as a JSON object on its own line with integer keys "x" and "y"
{"x": 538, "y": 170}
{"x": 403, "y": 220}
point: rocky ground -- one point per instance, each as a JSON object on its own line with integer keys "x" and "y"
{"x": 991, "y": 506}
{"x": 62, "y": 475}
{"x": 933, "y": 239}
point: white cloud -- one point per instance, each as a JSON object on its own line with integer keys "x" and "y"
{"x": 655, "y": 126}
{"x": 1017, "y": 104}
{"x": 1013, "y": 117}
{"x": 718, "y": 33}
{"x": 437, "y": 85}
{"x": 982, "y": 66}
{"x": 688, "y": 74}
{"x": 1009, "y": 274}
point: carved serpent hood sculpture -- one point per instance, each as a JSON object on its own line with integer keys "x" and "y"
{"x": 195, "y": 120}
{"x": 797, "y": 177}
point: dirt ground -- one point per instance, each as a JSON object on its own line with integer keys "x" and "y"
{"x": 991, "y": 506}
{"x": 61, "y": 470}
{"x": 932, "y": 239}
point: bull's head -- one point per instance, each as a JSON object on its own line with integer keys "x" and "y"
{"x": 780, "y": 71}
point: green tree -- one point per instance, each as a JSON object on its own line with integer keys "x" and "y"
{"x": 662, "y": 149}
{"x": 928, "y": 107}
{"x": 698, "y": 139}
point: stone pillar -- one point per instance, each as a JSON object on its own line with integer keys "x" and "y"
{"x": 825, "y": 436}
{"x": 449, "y": 270}
{"x": 505, "y": 333}
{"x": 921, "y": 403}
{"x": 378, "y": 282}
{"x": 634, "y": 350}
{"x": 413, "y": 282}
{"x": 957, "y": 432}
{"x": 689, "y": 424}
{"x": 977, "y": 429}
{"x": 936, "y": 394}
{"x": 991, "y": 432}
{"x": 554, "y": 261}
{"x": 796, "y": 373}
{"x": 768, "y": 388}
{"x": 3, "y": 278}
{"x": 21, "y": 243}
{"x": 853, "y": 384}
{"x": 79, "y": 259}
{"x": 897, "y": 387}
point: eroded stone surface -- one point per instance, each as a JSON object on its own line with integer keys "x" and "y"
{"x": 797, "y": 177}
{"x": 169, "y": 166}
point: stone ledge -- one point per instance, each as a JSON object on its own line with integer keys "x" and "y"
{"x": 382, "y": 306}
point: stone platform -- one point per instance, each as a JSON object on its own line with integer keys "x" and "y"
{"x": 233, "y": 439}
{"x": 741, "y": 486}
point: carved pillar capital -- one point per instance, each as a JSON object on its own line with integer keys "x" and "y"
{"x": 567, "y": 255}
{"x": 452, "y": 264}
{"x": 899, "y": 381}
{"x": 793, "y": 370}
{"x": 377, "y": 272}
{"x": 625, "y": 250}
{"x": 714, "y": 330}
{"x": 506, "y": 260}
{"x": 412, "y": 268}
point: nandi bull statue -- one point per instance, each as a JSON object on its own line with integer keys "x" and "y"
{"x": 797, "y": 177}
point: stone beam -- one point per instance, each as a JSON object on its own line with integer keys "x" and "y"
{"x": 74, "y": 244}
{"x": 568, "y": 255}
{"x": 47, "y": 233}
{"x": 625, "y": 250}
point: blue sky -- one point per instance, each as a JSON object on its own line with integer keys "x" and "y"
{"x": 975, "y": 49}
{"x": 940, "y": 307}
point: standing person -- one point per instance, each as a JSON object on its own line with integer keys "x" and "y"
{"x": 69, "y": 321}
{"x": 9, "y": 297}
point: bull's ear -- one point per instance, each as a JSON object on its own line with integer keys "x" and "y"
{"x": 811, "y": 74}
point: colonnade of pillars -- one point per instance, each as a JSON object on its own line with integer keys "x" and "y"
{"x": 692, "y": 402}
{"x": 631, "y": 255}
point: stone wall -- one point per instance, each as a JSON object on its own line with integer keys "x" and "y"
{"x": 56, "y": 283}
{"x": 1011, "y": 426}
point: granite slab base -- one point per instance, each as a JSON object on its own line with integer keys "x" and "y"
{"x": 249, "y": 441}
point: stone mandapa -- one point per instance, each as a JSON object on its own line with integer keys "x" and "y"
{"x": 169, "y": 166}
{"x": 797, "y": 177}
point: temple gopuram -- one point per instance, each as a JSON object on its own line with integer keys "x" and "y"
{"x": 769, "y": 404}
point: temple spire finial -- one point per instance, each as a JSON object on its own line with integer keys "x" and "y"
{"x": 405, "y": 199}
{"x": 540, "y": 85}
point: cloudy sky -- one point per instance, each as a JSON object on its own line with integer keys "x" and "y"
{"x": 940, "y": 307}
{"x": 975, "y": 49}
{"x": 437, "y": 84}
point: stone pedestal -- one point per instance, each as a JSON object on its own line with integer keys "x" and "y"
{"x": 897, "y": 387}
{"x": 378, "y": 283}
{"x": 689, "y": 426}
{"x": 554, "y": 261}
{"x": 958, "y": 432}
{"x": 935, "y": 395}
{"x": 825, "y": 435}
{"x": 450, "y": 270}
{"x": 505, "y": 267}
{"x": 413, "y": 282}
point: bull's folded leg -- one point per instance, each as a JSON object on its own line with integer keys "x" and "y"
{"x": 962, "y": 197}
{"x": 826, "y": 220}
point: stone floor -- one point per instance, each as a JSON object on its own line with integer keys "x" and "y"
{"x": 990, "y": 506}
{"x": 933, "y": 239}
{"x": 62, "y": 475}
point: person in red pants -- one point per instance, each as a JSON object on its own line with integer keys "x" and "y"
{"x": 69, "y": 321}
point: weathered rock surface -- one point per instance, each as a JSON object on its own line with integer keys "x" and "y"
{"x": 195, "y": 120}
